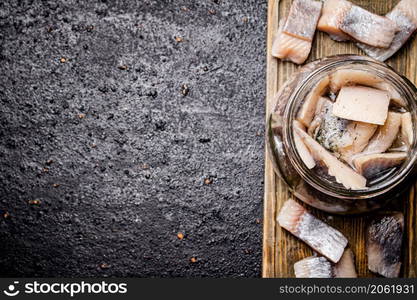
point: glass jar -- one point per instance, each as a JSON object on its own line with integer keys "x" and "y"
{"x": 307, "y": 185}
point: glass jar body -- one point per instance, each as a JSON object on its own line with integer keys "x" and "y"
{"x": 307, "y": 186}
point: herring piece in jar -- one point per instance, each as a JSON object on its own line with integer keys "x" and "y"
{"x": 287, "y": 47}
{"x": 385, "y": 135}
{"x": 321, "y": 109}
{"x": 332, "y": 16}
{"x": 346, "y": 77}
{"x": 383, "y": 244}
{"x": 323, "y": 238}
{"x": 407, "y": 128}
{"x": 405, "y": 23}
{"x": 306, "y": 113}
{"x": 363, "y": 104}
{"x": 320, "y": 267}
{"x": 302, "y": 19}
{"x": 304, "y": 152}
{"x": 372, "y": 165}
{"x": 341, "y": 172}
{"x": 343, "y": 137}
{"x": 359, "y": 133}
{"x": 368, "y": 28}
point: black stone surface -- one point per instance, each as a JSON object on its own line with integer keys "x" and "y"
{"x": 124, "y": 123}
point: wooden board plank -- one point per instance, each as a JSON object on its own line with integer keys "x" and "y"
{"x": 280, "y": 249}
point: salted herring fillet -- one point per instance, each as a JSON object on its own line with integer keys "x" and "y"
{"x": 371, "y": 165}
{"x": 304, "y": 152}
{"x": 368, "y": 28}
{"x": 323, "y": 238}
{"x": 385, "y": 135}
{"x": 407, "y": 128}
{"x": 302, "y": 19}
{"x": 332, "y": 16}
{"x": 320, "y": 267}
{"x": 313, "y": 267}
{"x": 363, "y": 104}
{"x": 408, "y": 7}
{"x": 360, "y": 133}
{"x": 345, "y": 77}
{"x": 290, "y": 48}
{"x": 407, "y": 27}
{"x": 321, "y": 109}
{"x": 383, "y": 244}
{"x": 342, "y": 173}
{"x": 306, "y": 113}
{"x": 345, "y": 268}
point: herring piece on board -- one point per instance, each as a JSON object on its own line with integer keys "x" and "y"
{"x": 313, "y": 267}
{"x": 332, "y": 16}
{"x": 408, "y": 7}
{"x": 407, "y": 128}
{"x": 290, "y": 48}
{"x": 372, "y": 165}
{"x": 385, "y": 135}
{"x": 363, "y": 104}
{"x": 383, "y": 244}
{"x": 345, "y": 268}
{"x": 323, "y": 238}
{"x": 342, "y": 173}
{"x": 407, "y": 27}
{"x": 320, "y": 267}
{"x": 368, "y": 28}
{"x": 302, "y": 19}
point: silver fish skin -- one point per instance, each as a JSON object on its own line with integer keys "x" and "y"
{"x": 303, "y": 18}
{"x": 407, "y": 28}
{"x": 320, "y": 267}
{"x": 369, "y": 28}
{"x": 323, "y": 238}
{"x": 313, "y": 267}
{"x": 383, "y": 245}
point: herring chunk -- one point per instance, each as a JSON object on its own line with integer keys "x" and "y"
{"x": 290, "y": 48}
{"x": 342, "y": 173}
{"x": 385, "y": 135}
{"x": 304, "y": 152}
{"x": 302, "y": 19}
{"x": 307, "y": 111}
{"x": 313, "y": 267}
{"x": 368, "y": 28}
{"x": 383, "y": 244}
{"x": 323, "y": 238}
{"x": 372, "y": 165}
{"x": 407, "y": 128}
{"x": 332, "y": 16}
{"x": 364, "y": 104}
{"x": 344, "y": 77}
{"x": 345, "y": 268}
{"x": 407, "y": 27}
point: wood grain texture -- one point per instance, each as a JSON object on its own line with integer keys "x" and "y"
{"x": 280, "y": 249}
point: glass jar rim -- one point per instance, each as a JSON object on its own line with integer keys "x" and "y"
{"x": 398, "y": 82}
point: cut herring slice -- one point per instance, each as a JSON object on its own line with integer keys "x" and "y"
{"x": 323, "y": 238}
{"x": 364, "y": 104}
{"x": 342, "y": 173}
{"x": 373, "y": 164}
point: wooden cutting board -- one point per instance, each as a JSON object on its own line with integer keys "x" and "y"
{"x": 280, "y": 249}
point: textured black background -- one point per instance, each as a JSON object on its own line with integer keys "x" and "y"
{"x": 105, "y": 155}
